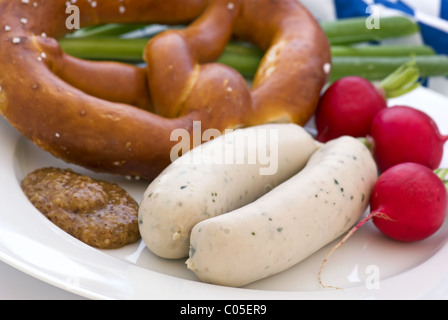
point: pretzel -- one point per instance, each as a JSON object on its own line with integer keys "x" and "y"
{"x": 118, "y": 118}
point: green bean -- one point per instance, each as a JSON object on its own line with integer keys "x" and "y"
{"x": 106, "y": 30}
{"x": 378, "y": 68}
{"x": 130, "y": 50}
{"x": 380, "y": 50}
{"x": 374, "y": 62}
{"x": 354, "y": 30}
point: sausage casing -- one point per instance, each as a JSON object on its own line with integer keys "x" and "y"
{"x": 189, "y": 191}
{"x": 290, "y": 222}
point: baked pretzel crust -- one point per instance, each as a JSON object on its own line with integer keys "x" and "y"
{"x": 118, "y": 118}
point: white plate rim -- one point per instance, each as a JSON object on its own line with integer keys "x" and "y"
{"x": 134, "y": 282}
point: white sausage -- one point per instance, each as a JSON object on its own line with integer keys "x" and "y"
{"x": 189, "y": 191}
{"x": 289, "y": 223}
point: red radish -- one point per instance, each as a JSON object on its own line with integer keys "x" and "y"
{"x": 409, "y": 203}
{"x": 404, "y": 134}
{"x": 347, "y": 108}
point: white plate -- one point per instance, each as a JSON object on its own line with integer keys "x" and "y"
{"x": 32, "y": 244}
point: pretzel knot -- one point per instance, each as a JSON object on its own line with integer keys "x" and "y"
{"x": 118, "y": 118}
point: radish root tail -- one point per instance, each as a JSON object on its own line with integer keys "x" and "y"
{"x": 344, "y": 239}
